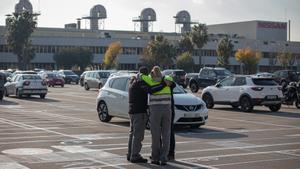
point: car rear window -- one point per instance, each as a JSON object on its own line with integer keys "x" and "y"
{"x": 264, "y": 82}
{"x": 31, "y": 77}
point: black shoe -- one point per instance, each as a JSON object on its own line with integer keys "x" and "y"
{"x": 155, "y": 162}
{"x": 128, "y": 157}
{"x": 139, "y": 160}
{"x": 163, "y": 163}
{"x": 171, "y": 157}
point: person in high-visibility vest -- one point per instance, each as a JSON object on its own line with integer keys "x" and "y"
{"x": 138, "y": 106}
{"x": 160, "y": 117}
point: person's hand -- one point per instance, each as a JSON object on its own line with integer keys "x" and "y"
{"x": 168, "y": 82}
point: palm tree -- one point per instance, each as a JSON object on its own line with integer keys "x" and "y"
{"x": 199, "y": 37}
{"x": 224, "y": 50}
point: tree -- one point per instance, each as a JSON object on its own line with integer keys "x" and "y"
{"x": 185, "y": 44}
{"x": 199, "y": 37}
{"x": 110, "y": 59}
{"x": 224, "y": 50}
{"x": 67, "y": 58}
{"x": 20, "y": 27}
{"x": 185, "y": 61}
{"x": 159, "y": 52}
{"x": 286, "y": 59}
{"x": 249, "y": 58}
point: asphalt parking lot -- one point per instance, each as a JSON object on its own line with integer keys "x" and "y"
{"x": 63, "y": 131}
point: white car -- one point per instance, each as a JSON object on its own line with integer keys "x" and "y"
{"x": 112, "y": 101}
{"x": 245, "y": 92}
{"x": 26, "y": 84}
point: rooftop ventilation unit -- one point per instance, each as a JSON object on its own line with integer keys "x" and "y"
{"x": 183, "y": 18}
{"x": 146, "y": 19}
{"x": 98, "y": 12}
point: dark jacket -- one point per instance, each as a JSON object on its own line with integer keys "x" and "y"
{"x": 138, "y": 95}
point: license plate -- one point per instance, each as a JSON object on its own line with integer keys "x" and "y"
{"x": 272, "y": 97}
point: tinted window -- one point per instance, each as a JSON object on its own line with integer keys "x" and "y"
{"x": 31, "y": 77}
{"x": 179, "y": 73}
{"x": 69, "y": 73}
{"x": 119, "y": 84}
{"x": 104, "y": 74}
{"x": 264, "y": 82}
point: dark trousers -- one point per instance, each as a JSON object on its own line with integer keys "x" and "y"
{"x": 136, "y": 135}
{"x": 172, "y": 136}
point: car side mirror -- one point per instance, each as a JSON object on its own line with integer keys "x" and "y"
{"x": 8, "y": 79}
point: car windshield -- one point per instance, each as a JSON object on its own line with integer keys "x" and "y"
{"x": 264, "y": 82}
{"x": 178, "y": 90}
{"x": 69, "y": 73}
{"x": 222, "y": 72}
{"x": 31, "y": 77}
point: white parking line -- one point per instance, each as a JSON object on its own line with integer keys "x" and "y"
{"x": 254, "y": 122}
{"x": 255, "y": 161}
{"x": 233, "y": 155}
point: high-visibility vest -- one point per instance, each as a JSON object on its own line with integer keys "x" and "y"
{"x": 161, "y": 97}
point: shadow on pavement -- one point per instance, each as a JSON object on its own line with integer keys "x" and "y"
{"x": 6, "y": 102}
{"x": 264, "y": 112}
{"x": 121, "y": 123}
{"x": 36, "y": 99}
{"x": 170, "y": 165}
{"x": 205, "y": 133}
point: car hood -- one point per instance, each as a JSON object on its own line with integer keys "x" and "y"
{"x": 187, "y": 99}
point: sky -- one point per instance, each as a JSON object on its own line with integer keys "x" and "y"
{"x": 56, "y": 13}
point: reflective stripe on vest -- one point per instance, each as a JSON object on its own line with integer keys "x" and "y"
{"x": 159, "y": 99}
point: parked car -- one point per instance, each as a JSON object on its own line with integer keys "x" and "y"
{"x": 69, "y": 76}
{"x": 284, "y": 77}
{"x": 81, "y": 78}
{"x": 21, "y": 72}
{"x": 96, "y": 79}
{"x": 2, "y": 82}
{"x": 208, "y": 76}
{"x": 26, "y": 84}
{"x": 178, "y": 76}
{"x": 188, "y": 77}
{"x": 245, "y": 92}
{"x": 112, "y": 101}
{"x": 53, "y": 79}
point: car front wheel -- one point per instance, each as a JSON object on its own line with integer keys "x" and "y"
{"x": 246, "y": 104}
{"x": 103, "y": 112}
{"x": 275, "y": 107}
{"x": 86, "y": 86}
{"x": 194, "y": 87}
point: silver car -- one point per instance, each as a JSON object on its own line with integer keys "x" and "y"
{"x": 26, "y": 84}
{"x": 112, "y": 101}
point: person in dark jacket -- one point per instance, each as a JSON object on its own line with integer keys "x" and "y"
{"x": 171, "y": 155}
{"x": 138, "y": 106}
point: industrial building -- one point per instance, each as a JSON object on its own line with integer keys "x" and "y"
{"x": 265, "y": 36}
